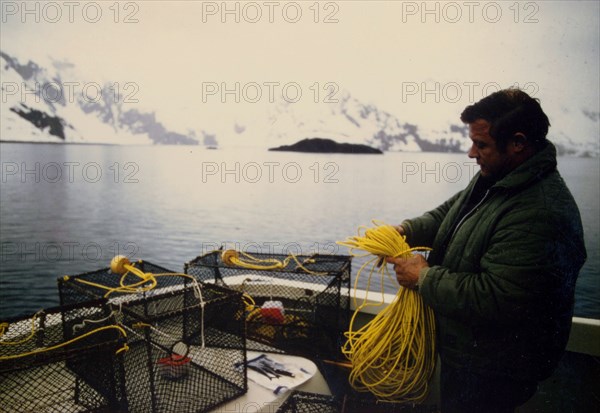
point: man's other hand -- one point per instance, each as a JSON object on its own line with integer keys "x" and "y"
{"x": 408, "y": 269}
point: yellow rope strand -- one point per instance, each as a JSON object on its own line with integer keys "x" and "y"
{"x": 232, "y": 257}
{"x": 4, "y": 327}
{"x": 392, "y": 356}
{"x": 121, "y": 265}
{"x": 66, "y": 343}
{"x": 128, "y": 269}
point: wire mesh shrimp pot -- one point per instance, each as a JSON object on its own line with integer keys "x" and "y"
{"x": 301, "y": 308}
{"x": 62, "y": 359}
{"x": 185, "y": 356}
{"x": 187, "y": 344}
{"x": 105, "y": 284}
{"x": 172, "y": 295}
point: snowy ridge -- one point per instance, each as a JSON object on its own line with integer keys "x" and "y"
{"x": 32, "y": 111}
{"x": 349, "y": 120}
{"x": 39, "y": 106}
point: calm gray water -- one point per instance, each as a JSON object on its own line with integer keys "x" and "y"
{"x": 68, "y": 209}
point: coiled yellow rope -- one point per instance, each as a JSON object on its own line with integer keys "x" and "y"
{"x": 393, "y": 356}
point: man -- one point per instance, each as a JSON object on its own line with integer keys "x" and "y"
{"x": 506, "y": 254}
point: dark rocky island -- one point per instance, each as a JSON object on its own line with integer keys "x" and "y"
{"x": 320, "y": 145}
{"x": 42, "y": 120}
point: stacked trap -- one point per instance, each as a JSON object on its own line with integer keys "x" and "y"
{"x": 63, "y": 359}
{"x": 141, "y": 338}
{"x": 186, "y": 340}
{"x": 294, "y": 304}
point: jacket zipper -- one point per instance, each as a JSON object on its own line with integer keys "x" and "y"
{"x": 468, "y": 214}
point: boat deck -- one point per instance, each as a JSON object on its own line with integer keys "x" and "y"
{"x": 574, "y": 387}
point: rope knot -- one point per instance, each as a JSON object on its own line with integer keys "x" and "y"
{"x": 147, "y": 276}
{"x": 228, "y": 256}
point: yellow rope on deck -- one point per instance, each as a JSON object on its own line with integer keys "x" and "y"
{"x": 392, "y": 356}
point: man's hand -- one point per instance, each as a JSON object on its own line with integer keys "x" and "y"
{"x": 407, "y": 269}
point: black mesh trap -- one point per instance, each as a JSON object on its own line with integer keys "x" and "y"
{"x": 297, "y": 310}
{"x": 187, "y": 357}
{"x": 97, "y": 284}
{"x": 63, "y": 359}
{"x": 187, "y": 347}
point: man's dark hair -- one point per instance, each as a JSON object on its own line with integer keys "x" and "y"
{"x": 510, "y": 111}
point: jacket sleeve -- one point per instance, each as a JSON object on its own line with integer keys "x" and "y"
{"x": 527, "y": 267}
{"x": 421, "y": 231}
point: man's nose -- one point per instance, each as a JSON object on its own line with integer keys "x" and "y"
{"x": 472, "y": 152}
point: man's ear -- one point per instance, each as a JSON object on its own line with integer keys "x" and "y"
{"x": 518, "y": 142}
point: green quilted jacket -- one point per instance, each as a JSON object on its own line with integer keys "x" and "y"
{"x": 503, "y": 288}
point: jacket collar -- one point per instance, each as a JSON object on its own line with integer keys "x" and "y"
{"x": 532, "y": 170}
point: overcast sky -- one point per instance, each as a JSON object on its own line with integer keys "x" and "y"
{"x": 381, "y": 52}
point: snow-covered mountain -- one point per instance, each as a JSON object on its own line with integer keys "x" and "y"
{"x": 38, "y": 104}
{"x": 349, "y": 120}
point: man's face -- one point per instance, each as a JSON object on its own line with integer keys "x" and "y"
{"x": 493, "y": 163}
